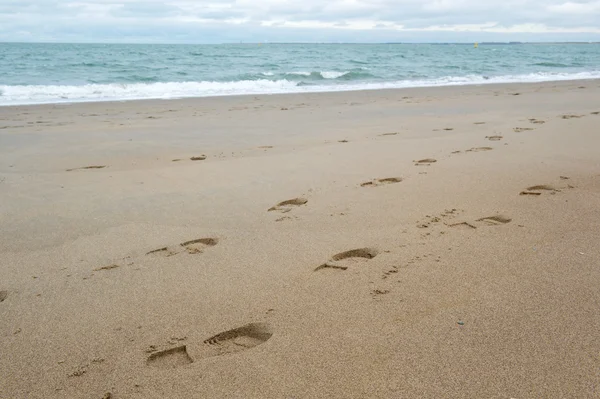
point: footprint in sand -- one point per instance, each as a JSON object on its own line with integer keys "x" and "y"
{"x": 286, "y": 206}
{"x": 537, "y": 190}
{"x": 265, "y": 147}
{"x": 490, "y": 221}
{"x": 426, "y": 162}
{"x": 164, "y": 252}
{"x": 388, "y": 134}
{"x": 479, "y": 149}
{"x": 521, "y": 129}
{"x": 170, "y": 358}
{"x": 495, "y": 220}
{"x": 571, "y": 116}
{"x": 196, "y": 246}
{"x": 377, "y": 292}
{"x": 352, "y": 256}
{"x": 236, "y": 340}
{"x": 109, "y": 267}
{"x": 494, "y": 138}
{"x": 3, "y": 295}
{"x": 381, "y": 182}
{"x": 462, "y": 225}
{"x": 198, "y": 158}
{"x": 87, "y": 167}
{"x": 536, "y": 121}
{"x": 479, "y": 123}
{"x": 199, "y": 245}
{"x": 595, "y": 113}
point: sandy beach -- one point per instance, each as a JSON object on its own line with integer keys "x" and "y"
{"x": 415, "y": 243}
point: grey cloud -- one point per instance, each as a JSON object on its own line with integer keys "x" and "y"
{"x": 180, "y": 20}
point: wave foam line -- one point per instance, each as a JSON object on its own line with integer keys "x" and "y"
{"x": 22, "y": 95}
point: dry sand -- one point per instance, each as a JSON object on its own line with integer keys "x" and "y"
{"x": 423, "y": 243}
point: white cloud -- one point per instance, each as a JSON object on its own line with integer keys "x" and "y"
{"x": 578, "y": 8}
{"x": 297, "y": 20}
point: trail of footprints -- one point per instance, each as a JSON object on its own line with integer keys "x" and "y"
{"x": 254, "y": 334}
{"x": 421, "y": 162}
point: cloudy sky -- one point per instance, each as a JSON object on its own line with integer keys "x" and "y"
{"x": 216, "y": 21}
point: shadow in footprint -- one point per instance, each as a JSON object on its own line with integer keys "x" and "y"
{"x": 87, "y": 167}
{"x": 109, "y": 267}
{"x": 545, "y": 187}
{"x": 164, "y": 252}
{"x": 198, "y": 246}
{"x": 495, "y": 220}
{"x": 170, "y": 358}
{"x": 367, "y": 253}
{"x": 354, "y": 254}
{"x": 426, "y": 161}
{"x": 236, "y": 340}
{"x": 286, "y": 206}
{"x": 537, "y": 190}
{"x": 530, "y": 193}
{"x": 3, "y": 295}
{"x": 494, "y": 138}
{"x": 462, "y": 225}
{"x": 479, "y": 149}
{"x": 380, "y": 182}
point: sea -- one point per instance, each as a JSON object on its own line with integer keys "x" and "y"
{"x": 65, "y": 73}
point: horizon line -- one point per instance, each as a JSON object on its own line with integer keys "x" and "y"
{"x": 322, "y": 43}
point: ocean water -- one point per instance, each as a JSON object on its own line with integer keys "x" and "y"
{"x": 55, "y": 73}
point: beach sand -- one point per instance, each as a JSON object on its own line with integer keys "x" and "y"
{"x": 418, "y": 243}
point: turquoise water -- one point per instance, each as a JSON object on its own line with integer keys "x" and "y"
{"x": 51, "y": 73}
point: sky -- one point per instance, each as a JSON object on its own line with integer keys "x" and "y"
{"x": 361, "y": 21}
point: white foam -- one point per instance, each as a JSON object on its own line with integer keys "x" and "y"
{"x": 20, "y": 95}
{"x": 332, "y": 74}
{"x": 324, "y": 74}
{"x": 13, "y": 95}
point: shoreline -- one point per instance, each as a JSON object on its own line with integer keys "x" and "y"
{"x": 324, "y": 92}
